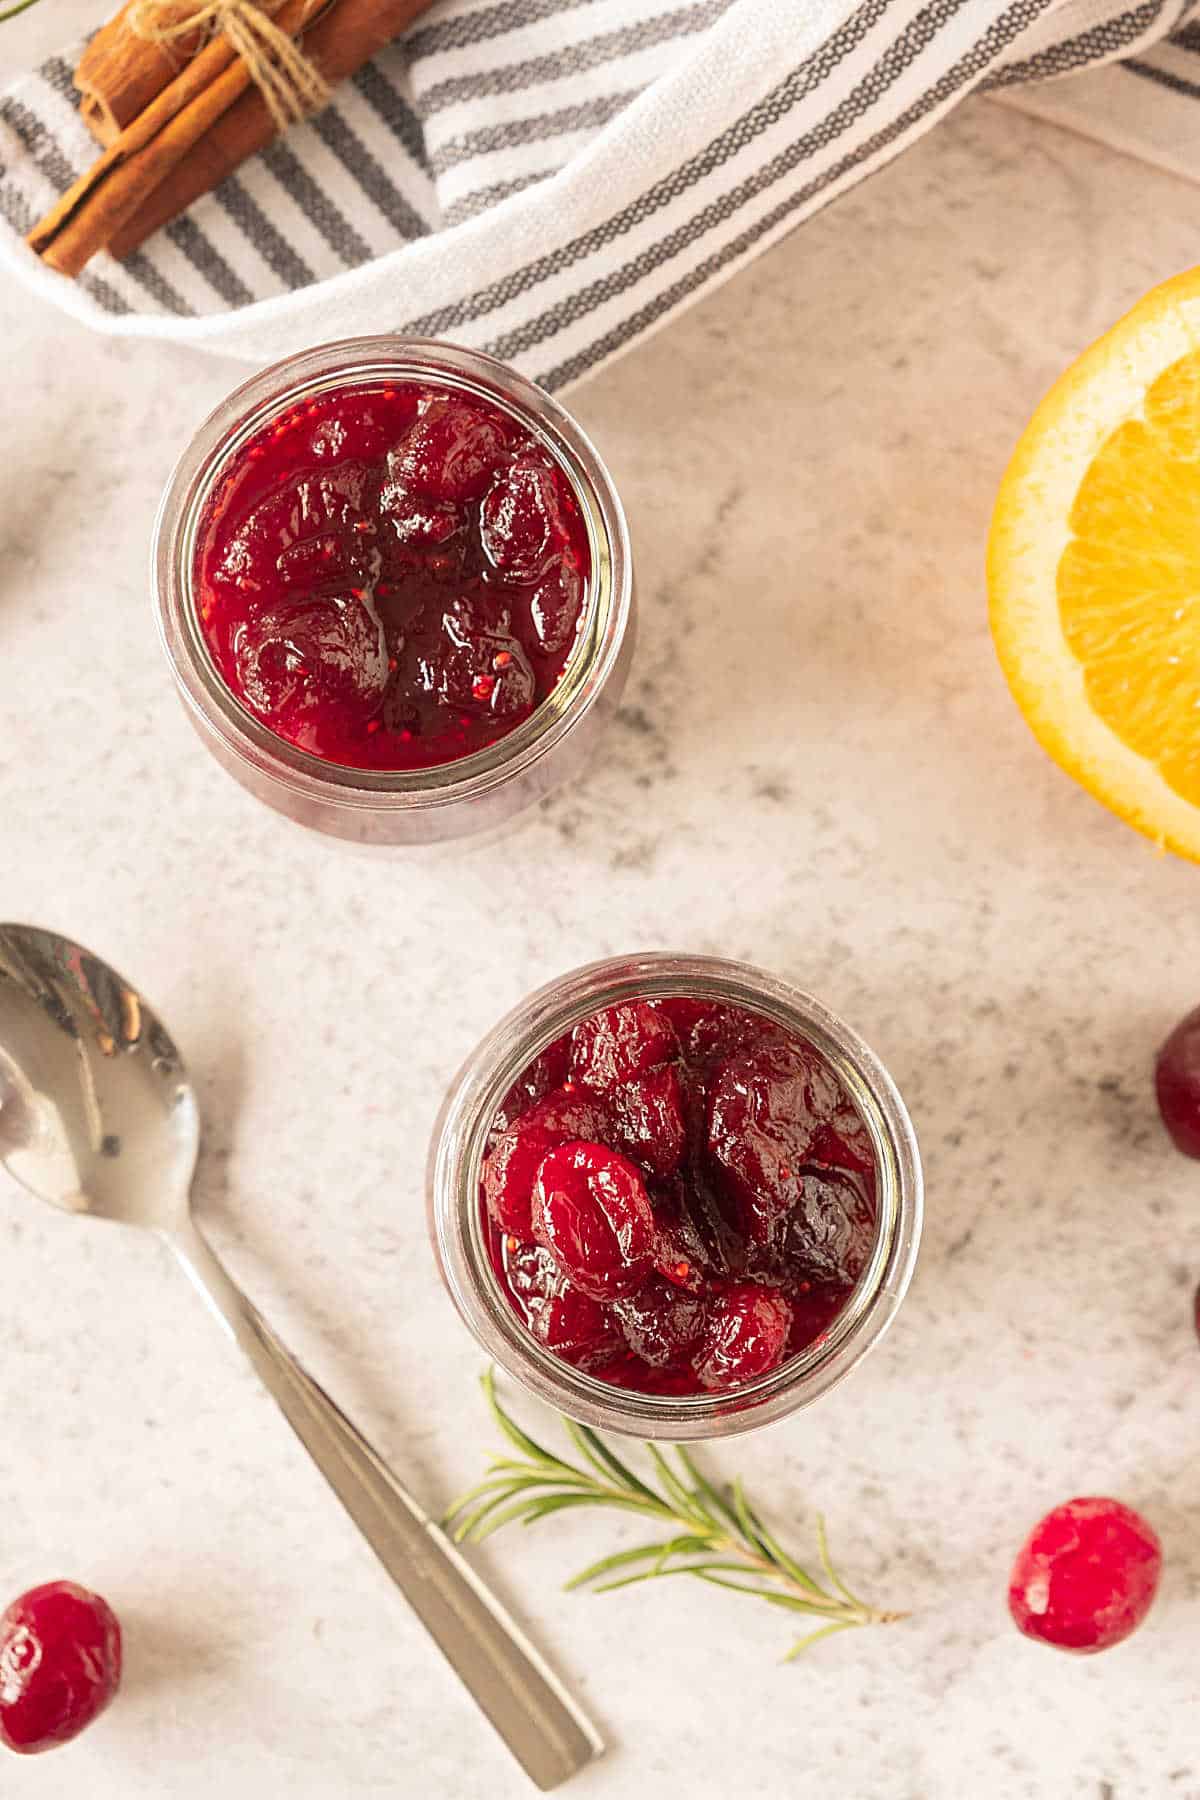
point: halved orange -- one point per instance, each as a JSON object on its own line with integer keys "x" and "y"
{"x": 1094, "y": 568}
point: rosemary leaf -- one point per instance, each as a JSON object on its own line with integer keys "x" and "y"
{"x": 744, "y": 1520}
{"x": 469, "y": 1530}
{"x": 680, "y": 1546}
{"x": 497, "y": 1484}
{"x": 603, "y": 1458}
{"x": 507, "y": 1490}
{"x": 814, "y": 1637}
{"x": 489, "y": 1520}
{"x": 705, "y": 1491}
{"x": 738, "y": 1587}
{"x": 788, "y": 1564}
{"x": 827, "y": 1608}
{"x": 538, "y": 1509}
{"x": 620, "y": 1559}
{"x": 511, "y": 1429}
{"x": 596, "y": 1464}
{"x": 826, "y": 1564}
{"x": 691, "y": 1568}
{"x": 554, "y": 1503}
{"x": 684, "y": 1503}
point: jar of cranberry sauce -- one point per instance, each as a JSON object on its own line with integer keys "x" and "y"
{"x": 674, "y": 1197}
{"x": 393, "y": 581}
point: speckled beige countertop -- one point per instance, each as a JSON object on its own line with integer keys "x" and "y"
{"x": 818, "y": 768}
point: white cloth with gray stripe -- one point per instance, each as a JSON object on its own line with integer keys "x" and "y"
{"x": 552, "y": 179}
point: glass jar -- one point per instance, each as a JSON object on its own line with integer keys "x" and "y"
{"x": 414, "y": 806}
{"x": 457, "y": 1227}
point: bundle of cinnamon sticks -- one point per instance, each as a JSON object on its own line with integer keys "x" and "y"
{"x": 176, "y": 118}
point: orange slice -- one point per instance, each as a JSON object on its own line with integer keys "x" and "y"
{"x": 1094, "y": 568}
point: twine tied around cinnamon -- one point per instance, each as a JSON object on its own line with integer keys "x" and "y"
{"x": 289, "y": 83}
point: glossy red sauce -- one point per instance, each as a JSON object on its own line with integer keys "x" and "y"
{"x": 679, "y": 1195}
{"x": 392, "y": 577}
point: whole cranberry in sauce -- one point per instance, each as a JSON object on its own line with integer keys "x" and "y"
{"x": 592, "y": 1212}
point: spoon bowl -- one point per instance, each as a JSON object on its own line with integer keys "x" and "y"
{"x": 96, "y": 1111}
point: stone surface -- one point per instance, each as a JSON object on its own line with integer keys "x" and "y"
{"x": 818, "y": 768}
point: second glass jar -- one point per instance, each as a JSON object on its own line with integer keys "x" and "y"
{"x": 475, "y": 791}
{"x": 459, "y": 1230}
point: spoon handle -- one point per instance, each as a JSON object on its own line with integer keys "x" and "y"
{"x": 547, "y": 1733}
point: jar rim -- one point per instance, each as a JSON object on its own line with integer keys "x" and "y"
{"x": 457, "y": 1226}
{"x": 358, "y": 362}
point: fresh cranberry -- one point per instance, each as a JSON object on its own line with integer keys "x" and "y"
{"x": 1086, "y": 1576}
{"x": 576, "y": 1328}
{"x": 451, "y": 452}
{"x": 592, "y": 1212}
{"x": 766, "y": 1109}
{"x": 745, "y": 1334}
{"x": 60, "y": 1665}
{"x": 522, "y": 521}
{"x": 302, "y": 656}
{"x": 619, "y": 1043}
{"x": 509, "y": 1172}
{"x": 373, "y": 495}
{"x": 555, "y": 604}
{"x": 649, "y": 1114}
{"x": 1177, "y": 1084}
{"x": 661, "y": 1324}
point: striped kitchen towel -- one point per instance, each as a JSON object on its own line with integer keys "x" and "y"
{"x": 552, "y": 179}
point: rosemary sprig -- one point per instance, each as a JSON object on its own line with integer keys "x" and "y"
{"x": 714, "y": 1533}
{"x": 20, "y": 7}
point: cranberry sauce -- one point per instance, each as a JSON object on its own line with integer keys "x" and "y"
{"x": 678, "y": 1195}
{"x": 392, "y": 577}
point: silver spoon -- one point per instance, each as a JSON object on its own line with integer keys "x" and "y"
{"x": 97, "y": 1115}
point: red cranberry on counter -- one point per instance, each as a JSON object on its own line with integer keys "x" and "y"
{"x": 1177, "y": 1084}
{"x": 1086, "y": 1576}
{"x": 60, "y": 1665}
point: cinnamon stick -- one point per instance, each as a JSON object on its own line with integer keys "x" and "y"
{"x": 99, "y": 203}
{"x": 120, "y": 73}
{"x": 339, "y": 43}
